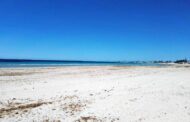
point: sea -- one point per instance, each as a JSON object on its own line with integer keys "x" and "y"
{"x": 15, "y": 63}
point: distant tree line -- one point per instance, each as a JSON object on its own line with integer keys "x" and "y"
{"x": 181, "y": 61}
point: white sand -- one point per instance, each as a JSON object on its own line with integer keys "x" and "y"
{"x": 108, "y": 94}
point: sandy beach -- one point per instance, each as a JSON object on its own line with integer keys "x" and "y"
{"x": 95, "y": 94}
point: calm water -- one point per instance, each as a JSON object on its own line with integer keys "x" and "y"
{"x": 11, "y": 64}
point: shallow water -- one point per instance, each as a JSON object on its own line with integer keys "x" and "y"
{"x": 10, "y": 64}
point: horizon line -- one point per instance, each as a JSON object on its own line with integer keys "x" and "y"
{"x": 51, "y": 60}
{"x": 67, "y": 60}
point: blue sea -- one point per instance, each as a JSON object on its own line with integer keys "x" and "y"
{"x": 23, "y": 63}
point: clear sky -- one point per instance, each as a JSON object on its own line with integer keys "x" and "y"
{"x": 95, "y": 29}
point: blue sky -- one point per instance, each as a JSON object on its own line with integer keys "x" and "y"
{"x": 95, "y": 29}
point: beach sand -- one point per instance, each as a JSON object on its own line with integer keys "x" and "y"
{"x": 95, "y": 94}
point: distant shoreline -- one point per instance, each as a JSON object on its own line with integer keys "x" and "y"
{"x": 11, "y": 63}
